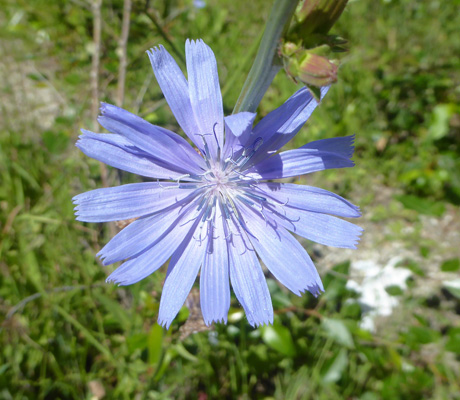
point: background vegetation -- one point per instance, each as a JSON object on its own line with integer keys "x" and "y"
{"x": 65, "y": 334}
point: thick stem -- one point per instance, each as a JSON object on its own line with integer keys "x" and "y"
{"x": 266, "y": 65}
{"x": 318, "y": 16}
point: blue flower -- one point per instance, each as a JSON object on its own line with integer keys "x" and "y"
{"x": 199, "y": 4}
{"x": 215, "y": 208}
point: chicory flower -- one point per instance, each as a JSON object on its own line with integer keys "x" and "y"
{"x": 215, "y": 209}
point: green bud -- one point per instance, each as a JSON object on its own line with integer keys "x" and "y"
{"x": 317, "y": 70}
{"x": 318, "y": 16}
{"x": 289, "y": 49}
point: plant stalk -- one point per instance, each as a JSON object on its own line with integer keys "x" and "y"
{"x": 267, "y": 64}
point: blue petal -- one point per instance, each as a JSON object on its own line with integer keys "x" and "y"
{"x": 182, "y": 271}
{"x": 306, "y": 159}
{"x": 205, "y": 96}
{"x": 128, "y": 201}
{"x": 164, "y": 246}
{"x": 343, "y": 146}
{"x": 248, "y": 280}
{"x": 214, "y": 280}
{"x": 238, "y": 128}
{"x": 282, "y": 124}
{"x": 308, "y": 198}
{"x": 286, "y": 259}
{"x": 182, "y": 147}
{"x": 175, "y": 89}
{"x": 156, "y": 143}
{"x": 143, "y": 233}
{"x": 118, "y": 152}
{"x": 320, "y": 228}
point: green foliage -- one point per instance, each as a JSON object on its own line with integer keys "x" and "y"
{"x": 63, "y": 331}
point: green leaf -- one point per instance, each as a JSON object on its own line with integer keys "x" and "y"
{"x": 421, "y": 205}
{"x": 439, "y": 126}
{"x": 55, "y": 142}
{"x": 278, "y": 338}
{"x": 138, "y": 341}
{"x": 85, "y": 332}
{"x": 411, "y": 265}
{"x": 369, "y": 396}
{"x": 335, "y": 371}
{"x": 451, "y": 265}
{"x": 183, "y": 352}
{"x": 422, "y": 335}
{"x": 279, "y": 298}
{"x": 453, "y": 343}
{"x": 315, "y": 91}
{"x": 3, "y": 368}
{"x": 155, "y": 343}
{"x": 394, "y": 290}
{"x": 336, "y": 330}
{"x": 114, "y": 308}
{"x": 453, "y": 287}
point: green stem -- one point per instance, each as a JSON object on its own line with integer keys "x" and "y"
{"x": 266, "y": 65}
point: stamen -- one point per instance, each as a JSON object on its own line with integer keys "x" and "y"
{"x": 215, "y": 137}
{"x": 206, "y": 152}
{"x": 255, "y": 146}
{"x": 248, "y": 202}
{"x": 213, "y": 209}
{"x": 254, "y": 196}
{"x": 208, "y": 211}
{"x": 224, "y": 207}
{"x": 243, "y": 239}
{"x": 178, "y": 180}
{"x": 160, "y": 185}
{"x": 200, "y": 239}
{"x": 203, "y": 200}
{"x": 207, "y": 173}
{"x": 284, "y": 217}
{"x": 210, "y": 248}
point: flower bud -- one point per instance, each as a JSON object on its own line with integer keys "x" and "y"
{"x": 318, "y": 16}
{"x": 317, "y": 70}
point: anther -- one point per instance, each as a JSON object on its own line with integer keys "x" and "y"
{"x": 215, "y": 137}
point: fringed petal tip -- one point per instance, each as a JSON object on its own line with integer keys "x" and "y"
{"x": 156, "y": 54}
{"x": 118, "y": 282}
{"x": 357, "y": 239}
{"x": 112, "y": 279}
{"x": 79, "y": 143}
{"x": 353, "y": 244}
{"x": 352, "y": 144}
{"x": 195, "y": 42}
{"x": 102, "y": 257}
{"x": 222, "y": 320}
{"x": 155, "y": 49}
{"x": 261, "y": 322}
{"x": 164, "y": 323}
{"x": 358, "y": 213}
{"x": 316, "y": 289}
{"x": 106, "y": 108}
{"x": 85, "y": 135}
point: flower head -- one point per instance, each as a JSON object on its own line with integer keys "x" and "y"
{"x": 215, "y": 209}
